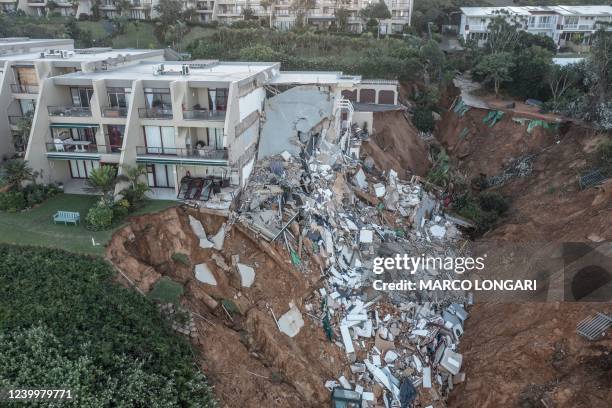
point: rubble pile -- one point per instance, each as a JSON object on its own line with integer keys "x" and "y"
{"x": 335, "y": 216}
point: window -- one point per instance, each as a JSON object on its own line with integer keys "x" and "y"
{"x": 81, "y": 97}
{"x": 217, "y": 98}
{"x": 80, "y": 169}
{"x": 88, "y": 134}
{"x": 115, "y": 137}
{"x": 27, "y": 105}
{"x": 160, "y": 139}
{"x": 160, "y": 175}
{"x": 118, "y": 97}
{"x": 158, "y": 98}
{"x": 25, "y": 76}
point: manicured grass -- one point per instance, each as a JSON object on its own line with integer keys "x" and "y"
{"x": 35, "y": 227}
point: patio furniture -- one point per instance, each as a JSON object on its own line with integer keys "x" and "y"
{"x": 67, "y": 217}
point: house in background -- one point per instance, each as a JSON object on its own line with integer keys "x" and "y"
{"x": 566, "y": 25}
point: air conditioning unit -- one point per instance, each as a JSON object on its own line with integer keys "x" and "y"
{"x": 158, "y": 69}
{"x": 185, "y": 69}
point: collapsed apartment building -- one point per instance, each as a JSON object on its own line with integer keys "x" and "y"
{"x": 197, "y": 126}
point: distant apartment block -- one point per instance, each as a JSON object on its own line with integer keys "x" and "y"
{"x": 280, "y": 13}
{"x": 24, "y": 66}
{"x": 566, "y": 25}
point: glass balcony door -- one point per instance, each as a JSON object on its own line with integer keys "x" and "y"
{"x": 160, "y": 139}
{"x": 81, "y": 97}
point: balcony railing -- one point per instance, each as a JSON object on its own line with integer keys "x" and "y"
{"x": 24, "y": 88}
{"x": 14, "y": 120}
{"x": 114, "y": 112}
{"x": 80, "y": 146}
{"x": 68, "y": 111}
{"x": 203, "y": 114}
{"x": 217, "y": 154}
{"x": 155, "y": 113}
{"x": 546, "y": 26}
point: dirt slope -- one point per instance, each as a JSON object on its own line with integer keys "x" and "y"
{"x": 247, "y": 359}
{"x": 395, "y": 144}
{"x": 528, "y": 355}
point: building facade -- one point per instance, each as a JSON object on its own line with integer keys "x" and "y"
{"x": 566, "y": 25}
{"x": 281, "y": 13}
{"x": 191, "y": 124}
{"x": 24, "y": 66}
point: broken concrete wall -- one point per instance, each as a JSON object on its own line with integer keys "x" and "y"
{"x": 299, "y": 109}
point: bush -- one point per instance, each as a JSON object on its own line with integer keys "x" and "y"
{"x": 181, "y": 258}
{"x": 99, "y": 217}
{"x": 423, "y": 119}
{"x": 12, "y": 201}
{"x": 492, "y": 201}
{"x": 604, "y": 157}
{"x": 108, "y": 342}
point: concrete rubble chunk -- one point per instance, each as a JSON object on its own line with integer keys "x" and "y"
{"x": 359, "y": 179}
{"x": 379, "y": 189}
{"x": 366, "y": 236}
{"x": 198, "y": 230}
{"x": 451, "y": 361}
{"x": 219, "y": 238}
{"x": 291, "y": 322}
{"x": 437, "y": 231}
{"x": 247, "y": 274}
{"x": 205, "y": 275}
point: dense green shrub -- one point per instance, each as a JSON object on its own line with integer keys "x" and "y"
{"x": 99, "y": 217}
{"x": 493, "y": 201}
{"x": 77, "y": 329}
{"x": 423, "y": 119}
{"x": 12, "y": 201}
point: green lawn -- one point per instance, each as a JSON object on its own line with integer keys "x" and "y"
{"x": 35, "y": 227}
{"x": 137, "y": 35}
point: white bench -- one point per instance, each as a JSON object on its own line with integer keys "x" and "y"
{"x": 67, "y": 217}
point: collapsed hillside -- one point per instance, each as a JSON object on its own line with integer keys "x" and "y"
{"x": 247, "y": 361}
{"x": 529, "y": 353}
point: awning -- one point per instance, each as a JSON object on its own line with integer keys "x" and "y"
{"x": 74, "y": 125}
{"x": 72, "y": 156}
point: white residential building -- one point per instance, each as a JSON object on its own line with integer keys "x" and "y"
{"x": 25, "y": 64}
{"x": 281, "y": 13}
{"x": 564, "y": 24}
{"x": 197, "y": 126}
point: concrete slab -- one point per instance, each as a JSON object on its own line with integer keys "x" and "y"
{"x": 291, "y": 322}
{"x": 205, "y": 275}
{"x": 247, "y": 275}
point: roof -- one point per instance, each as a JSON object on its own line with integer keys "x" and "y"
{"x": 207, "y": 70}
{"x": 312, "y": 77}
{"x": 84, "y": 55}
{"x": 530, "y": 10}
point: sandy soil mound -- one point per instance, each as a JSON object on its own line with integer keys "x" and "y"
{"x": 247, "y": 359}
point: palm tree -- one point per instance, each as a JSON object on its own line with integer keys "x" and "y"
{"x": 17, "y": 171}
{"x": 135, "y": 192}
{"x": 103, "y": 180}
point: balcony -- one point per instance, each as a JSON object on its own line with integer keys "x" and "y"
{"x": 74, "y": 111}
{"x": 70, "y": 146}
{"x": 115, "y": 112}
{"x": 203, "y": 114}
{"x": 24, "y": 89}
{"x": 14, "y": 120}
{"x": 155, "y": 113}
{"x": 547, "y": 26}
{"x": 192, "y": 153}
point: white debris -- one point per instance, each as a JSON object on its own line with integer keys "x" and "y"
{"x": 344, "y": 383}
{"x": 204, "y": 274}
{"x": 451, "y": 361}
{"x": 379, "y": 190}
{"x": 219, "y": 238}
{"x": 426, "y": 377}
{"x": 437, "y": 231}
{"x": 291, "y": 322}
{"x": 366, "y": 236}
{"x": 286, "y": 155}
{"x": 247, "y": 275}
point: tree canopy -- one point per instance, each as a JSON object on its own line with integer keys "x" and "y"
{"x": 64, "y": 323}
